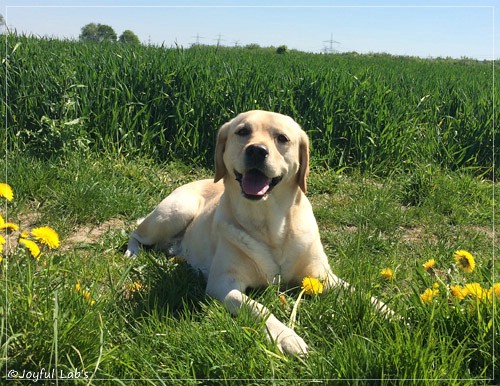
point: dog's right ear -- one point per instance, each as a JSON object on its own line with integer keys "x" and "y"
{"x": 304, "y": 161}
{"x": 220, "y": 147}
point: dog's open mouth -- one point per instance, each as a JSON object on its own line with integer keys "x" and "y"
{"x": 255, "y": 184}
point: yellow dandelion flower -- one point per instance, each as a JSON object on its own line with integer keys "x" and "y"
{"x": 387, "y": 273}
{"x": 135, "y": 286}
{"x": 2, "y": 242}
{"x": 86, "y": 294}
{"x": 429, "y": 264}
{"x": 283, "y": 299}
{"x": 24, "y": 234}
{"x": 46, "y": 235}
{"x": 428, "y": 295}
{"x": 6, "y": 191}
{"x": 1, "y": 258}
{"x": 496, "y": 289}
{"x": 78, "y": 286}
{"x": 312, "y": 286}
{"x": 88, "y": 298}
{"x": 476, "y": 291}
{"x": 465, "y": 261}
{"x": 9, "y": 226}
{"x": 32, "y": 247}
{"x": 458, "y": 292}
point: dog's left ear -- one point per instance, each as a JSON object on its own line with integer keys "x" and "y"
{"x": 303, "y": 161}
{"x": 220, "y": 146}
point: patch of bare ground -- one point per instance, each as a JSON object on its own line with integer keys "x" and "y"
{"x": 417, "y": 234}
{"x": 486, "y": 231}
{"x": 90, "y": 234}
{"x": 29, "y": 219}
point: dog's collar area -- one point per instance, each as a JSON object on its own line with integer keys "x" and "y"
{"x": 255, "y": 185}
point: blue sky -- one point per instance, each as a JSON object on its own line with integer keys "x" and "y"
{"x": 420, "y": 28}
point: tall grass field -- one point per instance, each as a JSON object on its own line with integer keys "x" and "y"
{"x": 402, "y": 185}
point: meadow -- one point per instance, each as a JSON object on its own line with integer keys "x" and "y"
{"x": 401, "y": 179}
{"x": 377, "y": 112}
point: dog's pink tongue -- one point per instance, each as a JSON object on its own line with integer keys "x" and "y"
{"x": 255, "y": 183}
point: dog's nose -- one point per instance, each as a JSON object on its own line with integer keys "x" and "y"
{"x": 256, "y": 153}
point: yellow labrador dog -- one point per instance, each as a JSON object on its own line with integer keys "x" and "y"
{"x": 250, "y": 226}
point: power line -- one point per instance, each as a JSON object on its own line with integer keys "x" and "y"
{"x": 198, "y": 37}
{"x": 330, "y": 49}
{"x": 219, "y": 39}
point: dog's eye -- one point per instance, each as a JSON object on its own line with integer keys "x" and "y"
{"x": 282, "y": 138}
{"x": 243, "y": 132}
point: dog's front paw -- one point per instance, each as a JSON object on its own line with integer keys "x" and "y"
{"x": 130, "y": 254}
{"x": 290, "y": 343}
{"x": 132, "y": 248}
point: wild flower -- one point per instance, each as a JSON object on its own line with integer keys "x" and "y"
{"x": 465, "y": 261}
{"x": 2, "y": 242}
{"x": 429, "y": 294}
{"x": 46, "y": 235}
{"x": 494, "y": 290}
{"x": 135, "y": 286}
{"x": 85, "y": 293}
{"x": 312, "y": 286}
{"x": 31, "y": 246}
{"x": 476, "y": 291}
{"x": 131, "y": 289}
{"x": 429, "y": 264}
{"x": 387, "y": 273}
{"x": 8, "y": 225}
{"x": 6, "y": 191}
{"x": 458, "y": 292}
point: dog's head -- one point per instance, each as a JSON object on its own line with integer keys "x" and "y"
{"x": 262, "y": 150}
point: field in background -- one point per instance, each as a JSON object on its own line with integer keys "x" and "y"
{"x": 402, "y": 153}
{"x": 378, "y": 112}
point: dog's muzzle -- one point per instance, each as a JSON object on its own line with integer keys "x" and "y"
{"x": 255, "y": 185}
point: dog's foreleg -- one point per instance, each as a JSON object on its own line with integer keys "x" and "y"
{"x": 285, "y": 338}
{"x": 132, "y": 247}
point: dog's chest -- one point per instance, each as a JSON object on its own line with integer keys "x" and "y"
{"x": 271, "y": 249}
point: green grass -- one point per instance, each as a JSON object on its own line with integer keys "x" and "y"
{"x": 371, "y": 112}
{"x": 168, "y": 330}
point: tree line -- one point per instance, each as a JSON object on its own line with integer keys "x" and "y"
{"x": 102, "y": 32}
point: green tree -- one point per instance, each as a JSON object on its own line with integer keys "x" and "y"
{"x": 282, "y": 49}
{"x": 98, "y": 33}
{"x": 252, "y": 46}
{"x": 129, "y": 37}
